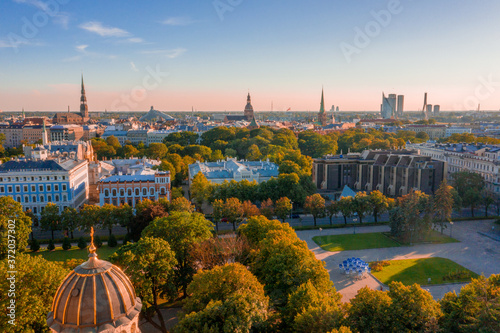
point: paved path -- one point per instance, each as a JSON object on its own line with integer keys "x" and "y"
{"x": 475, "y": 252}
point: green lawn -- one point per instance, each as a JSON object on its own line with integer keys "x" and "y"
{"x": 75, "y": 253}
{"x": 434, "y": 237}
{"x": 409, "y": 271}
{"x": 354, "y": 242}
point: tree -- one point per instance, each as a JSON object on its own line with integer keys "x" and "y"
{"x": 249, "y": 209}
{"x": 369, "y": 311}
{"x": 217, "y": 251}
{"x": 258, "y": 227}
{"x": 218, "y": 212}
{"x": 129, "y": 151}
{"x": 488, "y": 200}
{"x": 37, "y": 281}
{"x": 146, "y": 212}
{"x": 422, "y": 136}
{"x": 218, "y": 306}
{"x": 12, "y": 217}
{"x": 361, "y": 205}
{"x": 50, "y": 218}
{"x": 181, "y": 204}
{"x": 157, "y": 150}
{"x": 283, "y": 208}
{"x": 411, "y": 218}
{"x": 88, "y": 217}
{"x": 254, "y": 153}
{"x": 475, "y": 309}
{"x": 469, "y": 186}
{"x": 378, "y": 203}
{"x": 316, "y": 145}
{"x": 69, "y": 220}
{"x": 283, "y": 263}
{"x": 267, "y": 208}
{"x": 332, "y": 209}
{"x": 311, "y": 309}
{"x": 167, "y": 166}
{"x": 443, "y": 205}
{"x": 149, "y": 264}
{"x": 107, "y": 215}
{"x": 346, "y": 207}
{"x": 124, "y": 216}
{"x": 315, "y": 204}
{"x": 182, "y": 231}
{"x": 200, "y": 190}
{"x": 412, "y": 308}
{"x": 113, "y": 142}
{"x": 233, "y": 211}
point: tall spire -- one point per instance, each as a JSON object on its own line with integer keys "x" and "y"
{"x": 45, "y": 136}
{"x": 23, "y": 115}
{"x": 84, "y": 109}
{"x": 248, "y": 109}
{"x": 321, "y": 113}
{"x": 322, "y": 106}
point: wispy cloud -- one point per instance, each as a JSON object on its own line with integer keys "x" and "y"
{"x": 135, "y": 40}
{"x": 178, "y": 21}
{"x": 61, "y": 19}
{"x": 98, "y": 28}
{"x": 173, "y": 53}
{"x": 14, "y": 43}
{"x": 133, "y": 67}
{"x": 82, "y": 53}
{"x": 37, "y": 3}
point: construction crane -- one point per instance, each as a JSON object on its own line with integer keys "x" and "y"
{"x": 424, "y": 108}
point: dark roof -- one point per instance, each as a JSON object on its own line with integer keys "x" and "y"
{"x": 30, "y": 165}
{"x": 235, "y": 117}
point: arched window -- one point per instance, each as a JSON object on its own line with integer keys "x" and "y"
{"x": 137, "y": 191}
{"x": 162, "y": 190}
{"x": 144, "y": 191}
{"x": 151, "y": 191}
{"x": 129, "y": 192}
{"x": 106, "y": 193}
{"x": 114, "y": 192}
{"x": 57, "y": 197}
{"x": 49, "y": 198}
{"x": 42, "y": 199}
{"x": 26, "y": 198}
{"x": 33, "y": 198}
{"x": 122, "y": 192}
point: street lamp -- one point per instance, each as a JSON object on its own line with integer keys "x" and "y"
{"x": 451, "y": 228}
{"x": 354, "y": 220}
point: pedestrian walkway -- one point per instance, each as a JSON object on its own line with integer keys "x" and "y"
{"x": 476, "y": 252}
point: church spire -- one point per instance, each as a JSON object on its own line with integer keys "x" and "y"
{"x": 321, "y": 113}
{"x": 84, "y": 109}
{"x": 322, "y": 106}
{"x": 45, "y": 136}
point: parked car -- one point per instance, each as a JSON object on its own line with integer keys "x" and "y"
{"x": 295, "y": 216}
{"x": 224, "y": 219}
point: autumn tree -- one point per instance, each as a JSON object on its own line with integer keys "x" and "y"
{"x": 346, "y": 207}
{"x": 88, "y": 217}
{"x": 315, "y": 205}
{"x": 469, "y": 186}
{"x": 369, "y": 311}
{"x": 157, "y": 150}
{"x": 379, "y": 203}
{"x": 249, "y": 209}
{"x": 224, "y": 299}
{"x": 69, "y": 220}
{"x": 50, "y": 218}
{"x": 147, "y": 211}
{"x": 217, "y": 251}
{"x": 258, "y": 227}
{"x": 200, "y": 190}
{"x": 12, "y": 217}
{"x": 181, "y": 204}
{"x": 443, "y": 205}
{"x": 233, "y": 211}
{"x": 267, "y": 208}
{"x": 411, "y": 218}
{"x": 182, "y": 231}
{"x": 149, "y": 264}
{"x": 361, "y": 205}
{"x": 283, "y": 208}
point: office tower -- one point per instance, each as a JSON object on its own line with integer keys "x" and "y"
{"x": 436, "y": 109}
{"x": 388, "y": 106}
{"x": 429, "y": 109}
{"x": 400, "y": 105}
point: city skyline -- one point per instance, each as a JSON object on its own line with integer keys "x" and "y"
{"x": 208, "y": 55}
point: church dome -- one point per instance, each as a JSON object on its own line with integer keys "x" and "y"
{"x": 95, "y": 297}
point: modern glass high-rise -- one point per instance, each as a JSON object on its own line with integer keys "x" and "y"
{"x": 436, "y": 109}
{"x": 429, "y": 109}
{"x": 388, "y": 106}
{"x": 400, "y": 105}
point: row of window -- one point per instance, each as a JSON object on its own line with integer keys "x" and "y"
{"x": 137, "y": 192}
{"x": 31, "y": 179}
{"x": 41, "y": 188}
{"x": 41, "y": 198}
{"x": 34, "y": 209}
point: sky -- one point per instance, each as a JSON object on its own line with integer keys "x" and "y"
{"x": 207, "y": 55}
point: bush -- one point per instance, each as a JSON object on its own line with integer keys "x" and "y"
{"x": 97, "y": 241}
{"x": 72, "y": 263}
{"x": 458, "y": 275}
{"x": 66, "y": 244}
{"x": 51, "y": 245}
{"x": 377, "y": 266}
{"x": 82, "y": 243}
{"x": 34, "y": 245}
{"x": 112, "y": 241}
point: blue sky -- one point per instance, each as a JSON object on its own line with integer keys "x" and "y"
{"x": 283, "y": 52}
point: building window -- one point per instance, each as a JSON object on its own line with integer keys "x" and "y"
{"x": 65, "y": 198}
{"x": 35, "y": 210}
{"x": 151, "y": 191}
{"x": 114, "y": 192}
{"x": 18, "y": 188}
{"x": 137, "y": 191}
{"x": 122, "y": 192}
{"x": 49, "y": 188}
{"x": 106, "y": 192}
{"x": 2, "y": 189}
{"x": 129, "y": 192}
{"x": 49, "y": 198}
{"x": 40, "y": 188}
{"x": 33, "y": 188}
{"x": 26, "y": 199}
{"x": 25, "y": 188}
{"x": 57, "y": 197}
{"x": 18, "y": 199}
{"x": 9, "y": 189}
{"x": 56, "y": 188}
{"x": 33, "y": 198}
{"x": 64, "y": 187}
{"x": 144, "y": 191}
{"x": 42, "y": 199}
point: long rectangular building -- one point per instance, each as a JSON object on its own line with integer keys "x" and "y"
{"x": 394, "y": 173}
